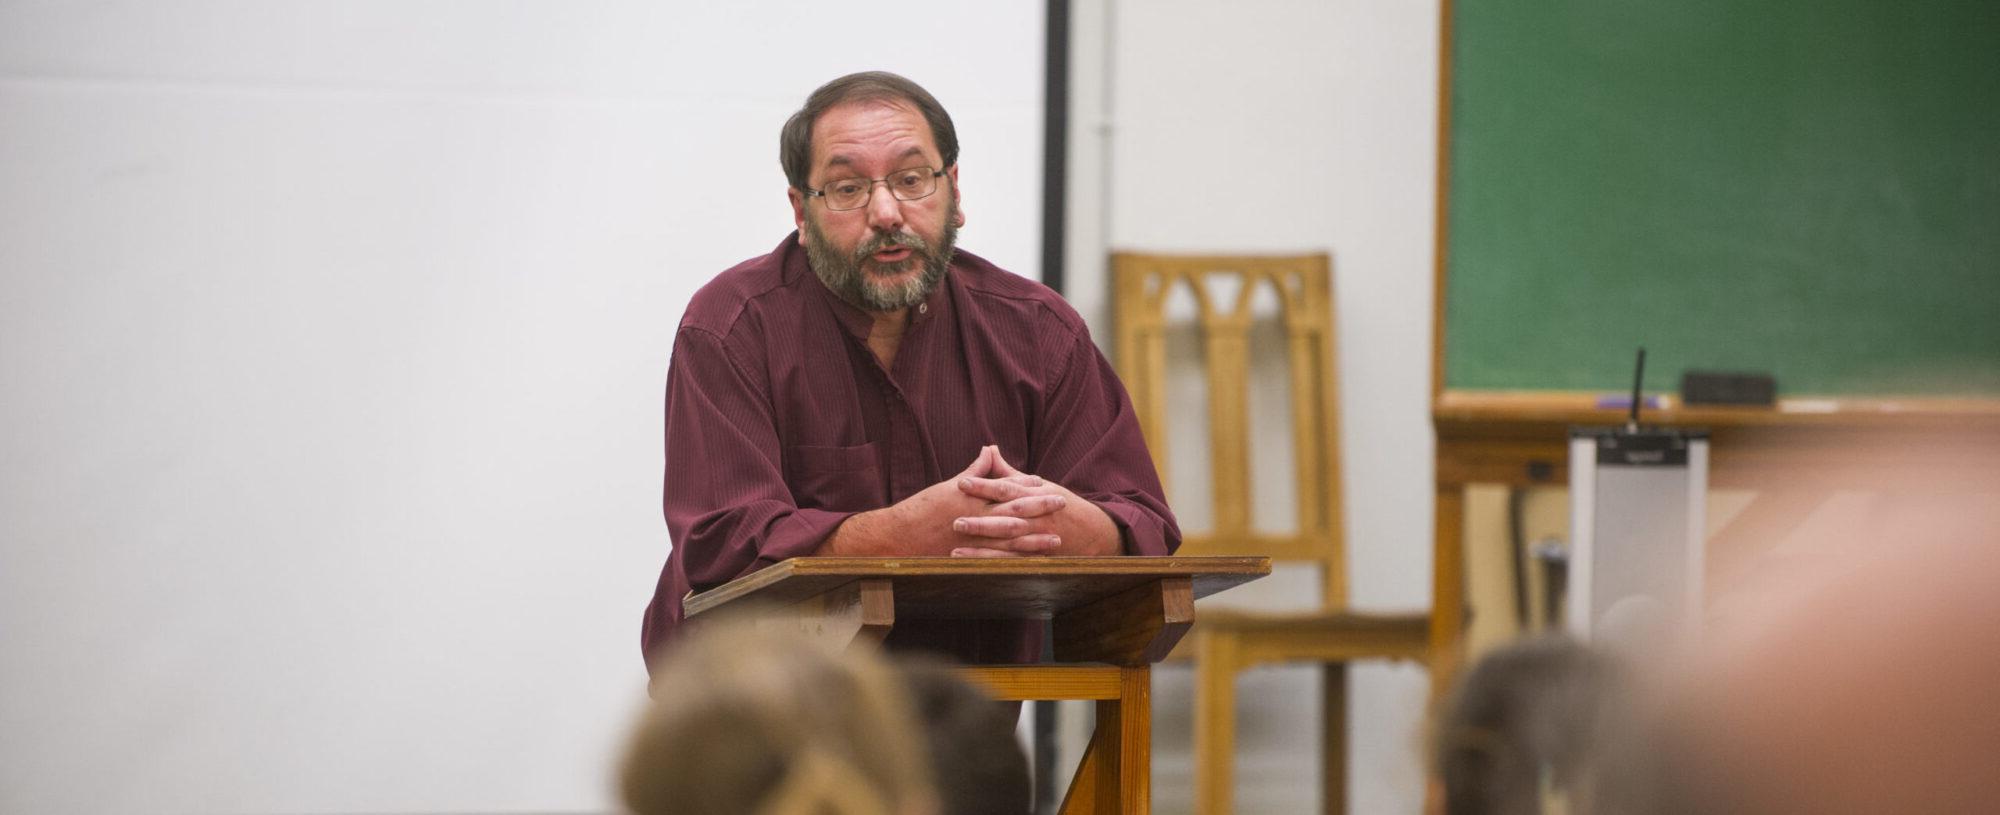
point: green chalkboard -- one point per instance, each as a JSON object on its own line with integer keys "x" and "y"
{"x": 1809, "y": 188}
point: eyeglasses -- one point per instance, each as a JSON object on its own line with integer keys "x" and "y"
{"x": 852, "y": 193}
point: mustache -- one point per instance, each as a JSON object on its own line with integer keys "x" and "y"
{"x": 883, "y": 240}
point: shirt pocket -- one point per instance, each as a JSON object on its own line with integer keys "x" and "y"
{"x": 844, "y": 479}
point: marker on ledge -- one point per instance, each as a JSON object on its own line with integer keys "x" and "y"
{"x": 1623, "y": 401}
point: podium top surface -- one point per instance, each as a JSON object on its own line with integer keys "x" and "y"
{"x": 981, "y": 588}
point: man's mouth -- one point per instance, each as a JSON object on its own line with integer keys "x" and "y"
{"x": 891, "y": 254}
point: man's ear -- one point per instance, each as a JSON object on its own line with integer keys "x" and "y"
{"x": 958, "y": 201}
{"x": 798, "y": 200}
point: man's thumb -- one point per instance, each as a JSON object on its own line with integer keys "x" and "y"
{"x": 983, "y": 463}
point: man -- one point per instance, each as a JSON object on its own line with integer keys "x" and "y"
{"x": 866, "y": 389}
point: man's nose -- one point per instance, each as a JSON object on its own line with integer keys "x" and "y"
{"x": 884, "y": 211}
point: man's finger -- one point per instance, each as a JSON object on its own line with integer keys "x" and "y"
{"x": 1040, "y": 543}
{"x": 987, "y": 526}
{"x": 982, "y": 464}
{"x": 1037, "y": 544}
{"x": 1029, "y": 506}
{"x": 992, "y": 489}
{"x": 1001, "y": 467}
{"x": 976, "y": 551}
{"x": 1012, "y": 534}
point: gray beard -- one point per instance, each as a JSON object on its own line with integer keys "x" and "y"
{"x": 850, "y": 277}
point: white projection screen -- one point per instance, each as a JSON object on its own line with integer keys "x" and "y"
{"x": 333, "y": 339}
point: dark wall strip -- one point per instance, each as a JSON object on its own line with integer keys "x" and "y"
{"x": 1055, "y": 144}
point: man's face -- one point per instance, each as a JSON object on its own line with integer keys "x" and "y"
{"x": 889, "y": 254}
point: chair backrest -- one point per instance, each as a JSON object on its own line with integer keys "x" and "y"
{"x": 1142, "y": 286}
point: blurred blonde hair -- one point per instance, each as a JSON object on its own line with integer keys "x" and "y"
{"x": 757, "y": 721}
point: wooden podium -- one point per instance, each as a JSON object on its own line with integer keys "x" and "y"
{"x": 1111, "y": 618}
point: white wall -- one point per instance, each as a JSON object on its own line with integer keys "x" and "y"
{"x": 333, "y": 338}
{"x": 1271, "y": 126}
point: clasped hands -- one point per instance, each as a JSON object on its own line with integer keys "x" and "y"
{"x": 989, "y": 509}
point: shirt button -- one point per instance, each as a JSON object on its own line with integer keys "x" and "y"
{"x": 923, "y": 308}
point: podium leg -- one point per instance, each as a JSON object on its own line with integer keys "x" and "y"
{"x": 1116, "y": 774}
{"x": 1135, "y": 734}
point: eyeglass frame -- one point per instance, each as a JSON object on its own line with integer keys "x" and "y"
{"x": 884, "y": 181}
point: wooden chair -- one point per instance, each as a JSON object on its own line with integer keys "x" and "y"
{"x": 1226, "y": 642}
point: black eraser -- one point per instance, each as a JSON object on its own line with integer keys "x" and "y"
{"x": 1724, "y": 388}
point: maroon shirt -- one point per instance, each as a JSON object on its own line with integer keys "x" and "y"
{"x": 781, "y": 423}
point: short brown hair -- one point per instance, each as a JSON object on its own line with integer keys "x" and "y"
{"x": 976, "y": 763}
{"x": 1529, "y": 707}
{"x": 764, "y": 721}
{"x": 795, "y": 140}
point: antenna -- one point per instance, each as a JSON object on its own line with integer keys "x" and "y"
{"x": 1638, "y": 376}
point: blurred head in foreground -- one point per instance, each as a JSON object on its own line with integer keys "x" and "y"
{"x": 980, "y": 768}
{"x": 1521, "y": 725}
{"x": 1868, "y": 687}
{"x": 751, "y": 721}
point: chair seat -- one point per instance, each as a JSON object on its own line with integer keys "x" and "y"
{"x": 1317, "y": 636}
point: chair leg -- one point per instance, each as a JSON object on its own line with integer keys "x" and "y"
{"x": 1214, "y": 723}
{"x": 1333, "y": 773}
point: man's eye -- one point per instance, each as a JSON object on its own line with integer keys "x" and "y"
{"x": 844, "y": 188}
{"x": 910, "y": 179}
